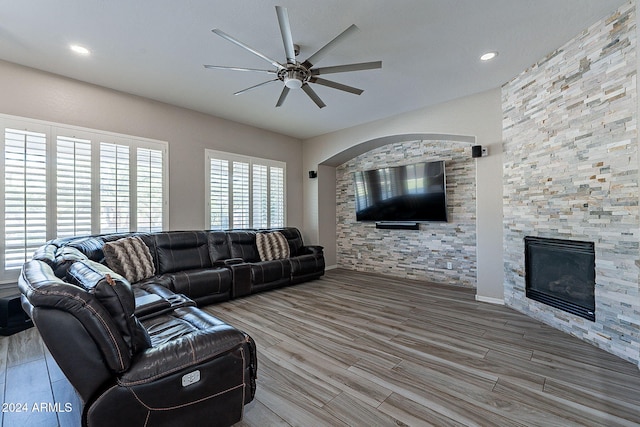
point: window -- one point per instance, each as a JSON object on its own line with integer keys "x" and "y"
{"x": 61, "y": 181}
{"x": 244, "y": 192}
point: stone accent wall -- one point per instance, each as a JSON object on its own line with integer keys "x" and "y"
{"x": 571, "y": 171}
{"x": 416, "y": 254}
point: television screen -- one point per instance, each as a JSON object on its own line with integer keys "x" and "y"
{"x": 414, "y": 192}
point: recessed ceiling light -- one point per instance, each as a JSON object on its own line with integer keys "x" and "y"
{"x": 80, "y": 50}
{"x": 489, "y": 56}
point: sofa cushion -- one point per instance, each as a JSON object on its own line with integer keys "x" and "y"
{"x": 218, "y": 246}
{"x": 272, "y": 246}
{"x": 302, "y": 265}
{"x": 129, "y": 257}
{"x": 46, "y": 253}
{"x": 65, "y": 257}
{"x": 294, "y": 238}
{"x": 242, "y": 244}
{"x": 45, "y": 294}
{"x": 116, "y": 296}
{"x": 270, "y": 271}
{"x": 180, "y": 250}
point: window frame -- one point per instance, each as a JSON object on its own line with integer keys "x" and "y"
{"x": 251, "y": 161}
{"x": 53, "y": 131}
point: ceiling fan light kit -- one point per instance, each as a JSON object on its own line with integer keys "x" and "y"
{"x": 296, "y": 75}
{"x": 294, "y": 78}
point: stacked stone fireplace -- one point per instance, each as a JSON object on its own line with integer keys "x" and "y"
{"x": 571, "y": 172}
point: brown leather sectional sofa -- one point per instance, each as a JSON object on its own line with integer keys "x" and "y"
{"x": 143, "y": 353}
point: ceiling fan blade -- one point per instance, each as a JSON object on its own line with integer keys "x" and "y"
{"x": 250, "y": 49}
{"x": 326, "y": 48}
{"x": 255, "y": 86}
{"x": 349, "y": 67}
{"x": 313, "y": 95}
{"x": 283, "y": 96}
{"x": 220, "y": 67}
{"x": 285, "y": 30}
{"x": 335, "y": 85}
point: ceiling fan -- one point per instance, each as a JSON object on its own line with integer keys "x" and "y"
{"x": 298, "y": 75}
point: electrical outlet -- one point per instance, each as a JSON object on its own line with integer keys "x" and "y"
{"x": 449, "y": 265}
{"x": 359, "y": 255}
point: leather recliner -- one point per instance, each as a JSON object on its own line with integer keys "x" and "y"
{"x": 176, "y": 366}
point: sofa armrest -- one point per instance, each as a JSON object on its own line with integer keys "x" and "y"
{"x": 148, "y": 304}
{"x": 152, "y": 299}
{"x": 311, "y": 250}
{"x": 227, "y": 262}
{"x": 241, "y": 279}
{"x": 182, "y": 353}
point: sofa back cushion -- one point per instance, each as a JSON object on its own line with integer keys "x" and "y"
{"x": 294, "y": 238}
{"x": 116, "y": 296}
{"x": 65, "y": 257}
{"x": 272, "y": 246}
{"x": 218, "y": 246}
{"x": 59, "y": 258}
{"x": 242, "y": 244}
{"x": 180, "y": 250}
{"x": 46, "y": 253}
{"x": 91, "y": 246}
{"x": 44, "y": 292}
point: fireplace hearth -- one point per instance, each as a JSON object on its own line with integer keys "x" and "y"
{"x": 561, "y": 273}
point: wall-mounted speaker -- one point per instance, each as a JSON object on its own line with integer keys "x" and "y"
{"x": 476, "y": 151}
{"x": 313, "y": 174}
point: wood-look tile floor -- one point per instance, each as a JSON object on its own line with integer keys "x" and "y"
{"x": 360, "y": 349}
{"x": 366, "y": 350}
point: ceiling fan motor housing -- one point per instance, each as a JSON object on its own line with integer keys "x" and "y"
{"x": 294, "y": 77}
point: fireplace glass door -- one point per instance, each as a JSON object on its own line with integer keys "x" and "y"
{"x": 561, "y": 273}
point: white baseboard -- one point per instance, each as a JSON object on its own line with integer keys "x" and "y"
{"x": 331, "y": 267}
{"x": 490, "y": 300}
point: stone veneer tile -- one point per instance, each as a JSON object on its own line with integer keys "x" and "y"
{"x": 571, "y": 171}
{"x": 421, "y": 254}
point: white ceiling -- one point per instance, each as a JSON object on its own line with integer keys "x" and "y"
{"x": 156, "y": 48}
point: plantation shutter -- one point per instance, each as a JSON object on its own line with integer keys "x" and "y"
{"x": 276, "y": 199}
{"x": 219, "y": 193}
{"x": 25, "y": 195}
{"x": 150, "y": 190}
{"x": 240, "y": 191}
{"x": 73, "y": 186}
{"x": 114, "y": 188}
{"x": 260, "y": 196}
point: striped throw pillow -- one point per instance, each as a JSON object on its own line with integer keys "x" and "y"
{"x": 272, "y": 246}
{"x": 129, "y": 257}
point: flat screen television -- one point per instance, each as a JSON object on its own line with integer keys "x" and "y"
{"x": 410, "y": 193}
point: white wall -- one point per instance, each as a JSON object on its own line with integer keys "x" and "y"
{"x": 327, "y": 224}
{"x": 34, "y": 94}
{"x": 479, "y": 116}
{"x": 30, "y": 93}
